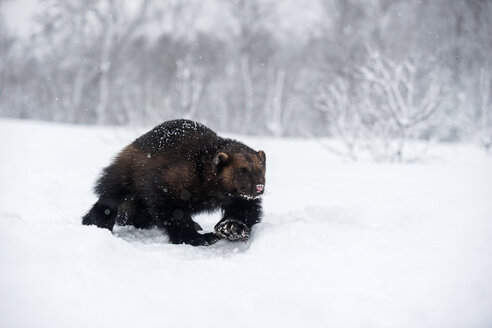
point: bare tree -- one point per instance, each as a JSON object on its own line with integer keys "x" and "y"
{"x": 117, "y": 31}
{"x": 399, "y": 104}
{"x": 251, "y": 42}
{"x": 386, "y": 112}
{"x": 6, "y": 44}
{"x": 276, "y": 113}
{"x": 482, "y": 118}
{"x": 342, "y": 118}
{"x": 189, "y": 88}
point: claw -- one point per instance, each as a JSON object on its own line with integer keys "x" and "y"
{"x": 232, "y": 230}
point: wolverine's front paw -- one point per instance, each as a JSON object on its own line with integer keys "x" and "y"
{"x": 232, "y": 230}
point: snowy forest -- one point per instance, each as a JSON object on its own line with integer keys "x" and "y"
{"x": 355, "y": 70}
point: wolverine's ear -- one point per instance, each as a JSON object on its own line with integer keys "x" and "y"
{"x": 220, "y": 158}
{"x": 262, "y": 155}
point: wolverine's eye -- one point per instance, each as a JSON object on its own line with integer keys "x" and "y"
{"x": 243, "y": 171}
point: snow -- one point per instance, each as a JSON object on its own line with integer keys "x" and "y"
{"x": 342, "y": 244}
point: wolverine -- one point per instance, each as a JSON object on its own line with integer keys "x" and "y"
{"x": 174, "y": 171}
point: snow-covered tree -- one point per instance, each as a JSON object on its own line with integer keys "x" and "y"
{"x": 400, "y": 106}
{"x": 189, "y": 88}
{"x": 388, "y": 110}
{"x": 276, "y": 113}
{"x": 342, "y": 118}
{"x": 481, "y": 118}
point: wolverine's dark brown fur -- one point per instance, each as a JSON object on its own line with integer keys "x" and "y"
{"x": 176, "y": 170}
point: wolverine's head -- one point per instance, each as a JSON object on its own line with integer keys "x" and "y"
{"x": 241, "y": 171}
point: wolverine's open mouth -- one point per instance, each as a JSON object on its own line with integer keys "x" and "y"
{"x": 249, "y": 197}
{"x": 259, "y": 188}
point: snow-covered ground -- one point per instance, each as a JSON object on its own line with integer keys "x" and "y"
{"x": 341, "y": 244}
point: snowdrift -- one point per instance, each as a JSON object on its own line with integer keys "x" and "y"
{"x": 341, "y": 245}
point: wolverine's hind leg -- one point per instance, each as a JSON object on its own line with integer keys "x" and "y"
{"x": 102, "y": 214}
{"x": 112, "y": 188}
{"x": 132, "y": 211}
